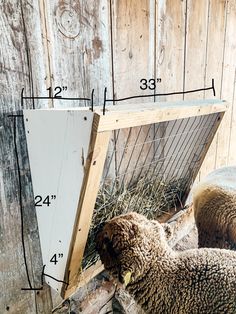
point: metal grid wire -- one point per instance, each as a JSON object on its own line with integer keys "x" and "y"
{"x": 149, "y": 169}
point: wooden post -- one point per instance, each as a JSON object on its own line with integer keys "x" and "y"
{"x": 93, "y": 172}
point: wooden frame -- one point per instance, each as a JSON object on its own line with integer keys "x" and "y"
{"x": 118, "y": 117}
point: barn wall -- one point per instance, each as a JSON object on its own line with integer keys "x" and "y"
{"x": 96, "y": 44}
{"x": 20, "y": 66}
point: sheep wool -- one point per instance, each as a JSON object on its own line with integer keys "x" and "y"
{"x": 135, "y": 251}
{"x": 214, "y": 205}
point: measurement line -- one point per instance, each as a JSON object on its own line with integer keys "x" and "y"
{"x": 122, "y": 99}
{"x": 30, "y": 289}
{"x": 21, "y": 203}
{"x": 15, "y": 115}
{"x": 58, "y": 97}
{"x": 105, "y": 100}
{"x": 22, "y": 98}
{"x": 44, "y": 274}
{"x": 213, "y": 87}
{"x": 166, "y": 94}
{"x": 92, "y": 96}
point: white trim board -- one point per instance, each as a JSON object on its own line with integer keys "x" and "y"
{"x": 58, "y": 142}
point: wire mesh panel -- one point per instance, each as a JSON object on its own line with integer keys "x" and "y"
{"x": 151, "y": 176}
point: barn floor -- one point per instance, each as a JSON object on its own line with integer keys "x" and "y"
{"x": 101, "y": 297}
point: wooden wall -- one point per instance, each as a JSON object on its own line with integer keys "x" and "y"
{"x": 93, "y": 44}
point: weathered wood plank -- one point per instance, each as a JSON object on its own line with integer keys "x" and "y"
{"x": 80, "y": 51}
{"x": 213, "y": 68}
{"x": 227, "y": 88}
{"x": 20, "y": 66}
{"x": 196, "y": 41}
{"x": 133, "y": 59}
{"x": 232, "y": 143}
{"x": 170, "y": 40}
{"x": 195, "y": 52}
{"x": 170, "y": 36}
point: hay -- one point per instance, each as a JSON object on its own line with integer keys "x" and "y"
{"x": 151, "y": 199}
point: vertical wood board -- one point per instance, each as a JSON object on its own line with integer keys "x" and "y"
{"x": 196, "y": 41}
{"x": 133, "y": 38}
{"x": 80, "y": 48}
{"x": 93, "y": 171}
{"x": 213, "y": 68}
{"x": 196, "y": 45}
{"x": 170, "y": 40}
{"x": 228, "y": 85}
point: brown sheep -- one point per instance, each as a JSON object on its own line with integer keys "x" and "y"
{"x": 135, "y": 251}
{"x": 214, "y": 205}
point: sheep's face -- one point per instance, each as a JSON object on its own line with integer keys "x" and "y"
{"x": 125, "y": 245}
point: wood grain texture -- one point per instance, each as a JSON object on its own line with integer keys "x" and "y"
{"x": 227, "y": 88}
{"x": 170, "y": 40}
{"x": 196, "y": 41}
{"x": 232, "y": 143}
{"x": 133, "y": 59}
{"x": 80, "y": 51}
{"x": 20, "y": 46}
{"x": 213, "y": 67}
{"x": 196, "y": 22}
{"x": 170, "y": 45}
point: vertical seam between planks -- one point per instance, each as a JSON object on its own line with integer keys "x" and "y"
{"x": 222, "y": 75}
{"x": 112, "y": 55}
{"x": 35, "y": 299}
{"x": 206, "y": 50}
{"x": 231, "y": 118}
{"x": 206, "y": 61}
{"x": 155, "y": 57}
{"x": 185, "y": 44}
{"x": 46, "y": 46}
{"x": 155, "y": 44}
{"x": 115, "y": 133}
{"x": 223, "y": 61}
{"x": 31, "y": 85}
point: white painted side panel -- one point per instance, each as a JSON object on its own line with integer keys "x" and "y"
{"x": 58, "y": 143}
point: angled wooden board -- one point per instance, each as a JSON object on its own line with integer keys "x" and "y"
{"x": 58, "y": 143}
{"x": 124, "y": 116}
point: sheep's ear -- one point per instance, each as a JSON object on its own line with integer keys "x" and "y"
{"x": 168, "y": 231}
{"x": 134, "y": 230}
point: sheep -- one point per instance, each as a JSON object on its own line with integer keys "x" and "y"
{"x": 135, "y": 251}
{"x": 214, "y": 206}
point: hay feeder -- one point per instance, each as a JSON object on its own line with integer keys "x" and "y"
{"x": 141, "y": 157}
